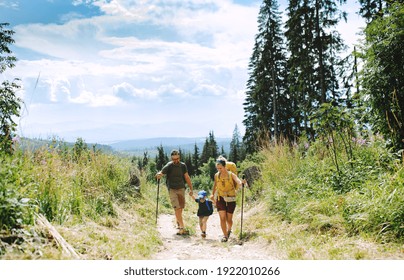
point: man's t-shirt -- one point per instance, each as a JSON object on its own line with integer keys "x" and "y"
{"x": 175, "y": 175}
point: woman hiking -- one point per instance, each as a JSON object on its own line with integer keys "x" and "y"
{"x": 226, "y": 185}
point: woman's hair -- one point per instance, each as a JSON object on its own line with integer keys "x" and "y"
{"x": 221, "y": 160}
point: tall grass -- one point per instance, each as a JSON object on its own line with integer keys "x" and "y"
{"x": 78, "y": 189}
{"x": 301, "y": 185}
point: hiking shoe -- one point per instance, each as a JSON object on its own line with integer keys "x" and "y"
{"x": 203, "y": 234}
{"x": 182, "y": 232}
{"x": 224, "y": 239}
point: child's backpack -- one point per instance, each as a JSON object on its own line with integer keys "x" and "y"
{"x": 210, "y": 207}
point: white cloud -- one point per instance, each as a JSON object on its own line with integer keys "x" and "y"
{"x": 128, "y": 92}
{"x": 95, "y": 100}
{"x": 9, "y": 4}
{"x": 174, "y": 61}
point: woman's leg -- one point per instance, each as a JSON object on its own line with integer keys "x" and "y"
{"x": 229, "y": 221}
{"x": 223, "y": 222}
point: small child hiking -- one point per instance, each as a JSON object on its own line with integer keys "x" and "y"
{"x": 205, "y": 209}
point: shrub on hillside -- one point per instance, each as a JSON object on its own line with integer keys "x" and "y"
{"x": 364, "y": 195}
{"x": 15, "y": 207}
{"x": 378, "y": 207}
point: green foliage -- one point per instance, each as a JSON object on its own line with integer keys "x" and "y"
{"x": 80, "y": 191}
{"x": 74, "y": 181}
{"x": 202, "y": 182}
{"x": 209, "y": 168}
{"x": 205, "y": 179}
{"x": 161, "y": 158}
{"x": 209, "y": 150}
{"x": 80, "y": 148}
{"x": 364, "y": 197}
{"x": 335, "y": 126}
{"x": 15, "y": 207}
{"x": 378, "y": 208}
{"x": 381, "y": 80}
{"x": 237, "y": 149}
{"x": 10, "y": 104}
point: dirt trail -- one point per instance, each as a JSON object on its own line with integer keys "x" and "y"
{"x": 195, "y": 248}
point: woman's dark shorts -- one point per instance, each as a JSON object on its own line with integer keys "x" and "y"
{"x": 222, "y": 205}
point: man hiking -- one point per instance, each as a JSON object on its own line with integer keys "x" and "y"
{"x": 177, "y": 175}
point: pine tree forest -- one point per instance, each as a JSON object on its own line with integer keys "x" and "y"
{"x": 300, "y": 83}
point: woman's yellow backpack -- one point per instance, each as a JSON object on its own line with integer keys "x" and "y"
{"x": 226, "y": 187}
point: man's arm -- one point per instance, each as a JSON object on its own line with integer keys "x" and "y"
{"x": 189, "y": 183}
{"x": 163, "y": 171}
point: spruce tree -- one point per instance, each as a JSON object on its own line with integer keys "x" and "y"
{"x": 195, "y": 159}
{"x": 265, "y": 104}
{"x": 210, "y": 149}
{"x": 161, "y": 157}
{"x": 235, "y": 154}
{"x": 314, "y": 46}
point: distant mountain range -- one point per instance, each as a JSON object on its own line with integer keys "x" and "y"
{"x": 137, "y": 147}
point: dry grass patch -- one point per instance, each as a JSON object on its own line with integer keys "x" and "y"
{"x": 124, "y": 237}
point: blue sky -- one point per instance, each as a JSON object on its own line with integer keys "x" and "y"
{"x": 108, "y": 70}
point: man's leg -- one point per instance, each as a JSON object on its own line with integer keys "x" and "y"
{"x": 178, "y": 216}
{"x": 178, "y": 202}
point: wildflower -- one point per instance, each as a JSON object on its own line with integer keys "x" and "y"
{"x": 16, "y": 140}
{"x": 361, "y": 142}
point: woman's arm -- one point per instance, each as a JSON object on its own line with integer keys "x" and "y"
{"x": 237, "y": 180}
{"x": 212, "y": 197}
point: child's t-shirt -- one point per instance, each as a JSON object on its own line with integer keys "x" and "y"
{"x": 204, "y": 208}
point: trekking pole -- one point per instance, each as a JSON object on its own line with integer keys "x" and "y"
{"x": 242, "y": 207}
{"x": 157, "y": 203}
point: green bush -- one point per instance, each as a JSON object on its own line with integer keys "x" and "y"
{"x": 365, "y": 195}
{"x": 377, "y": 208}
{"x": 15, "y": 208}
